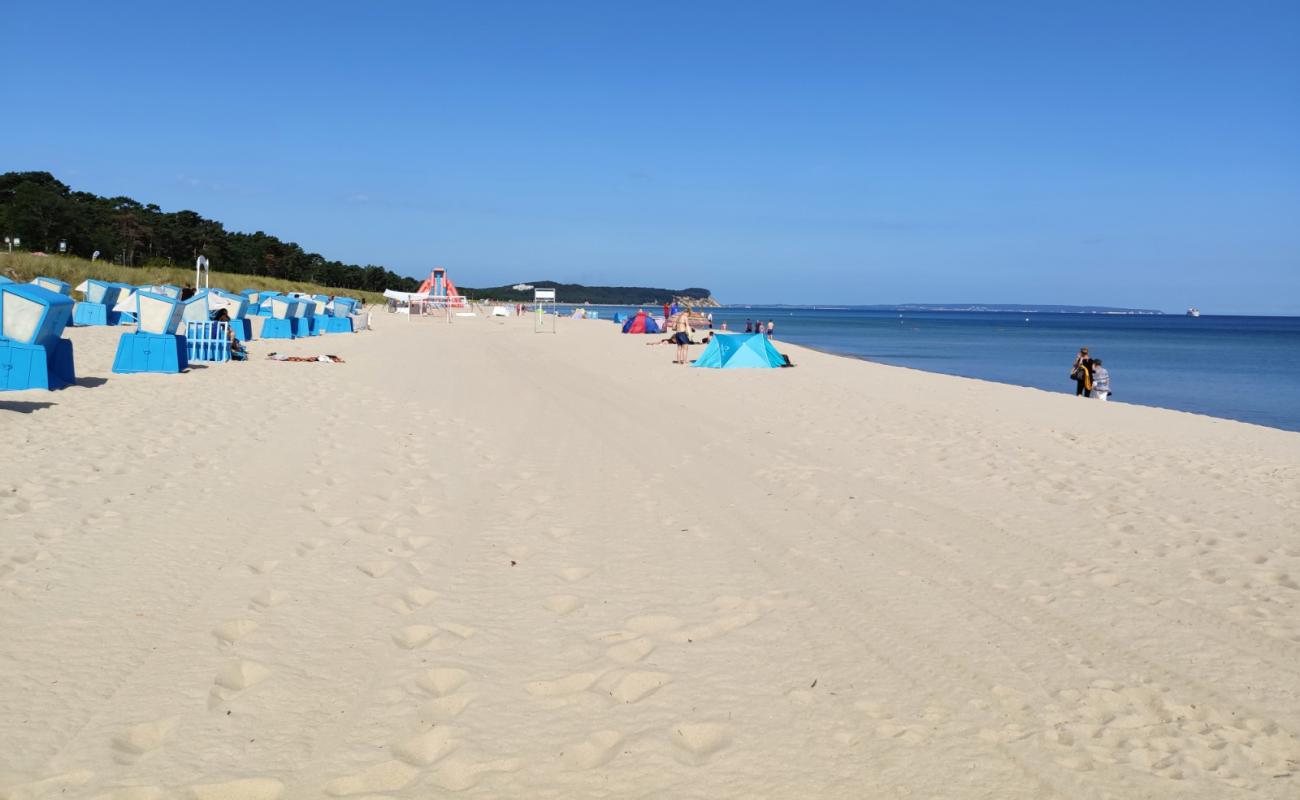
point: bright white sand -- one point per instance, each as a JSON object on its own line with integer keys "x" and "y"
{"x": 474, "y": 559}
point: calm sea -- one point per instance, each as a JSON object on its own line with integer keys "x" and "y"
{"x": 1243, "y": 368}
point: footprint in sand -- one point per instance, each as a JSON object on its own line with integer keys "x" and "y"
{"x": 597, "y": 749}
{"x": 457, "y": 775}
{"x": 442, "y": 681}
{"x": 736, "y": 612}
{"x": 308, "y": 546}
{"x": 569, "y": 684}
{"x": 263, "y": 567}
{"x": 1106, "y": 580}
{"x": 413, "y": 636}
{"x": 138, "y": 740}
{"x": 456, "y": 629}
{"x": 419, "y": 597}
{"x": 390, "y": 776}
{"x": 574, "y": 574}
{"x": 234, "y": 630}
{"x": 412, "y": 600}
{"x": 375, "y": 526}
{"x": 416, "y": 543}
{"x": 444, "y": 709}
{"x": 697, "y": 742}
{"x": 630, "y": 652}
{"x": 135, "y": 793}
{"x": 636, "y": 686}
{"x": 425, "y": 748}
{"x": 235, "y": 678}
{"x": 268, "y": 598}
{"x": 563, "y": 603}
{"x": 1209, "y": 576}
{"x": 377, "y": 569}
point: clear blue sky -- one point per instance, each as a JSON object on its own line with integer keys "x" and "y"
{"x": 1122, "y": 153}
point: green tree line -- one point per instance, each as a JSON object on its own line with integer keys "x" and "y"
{"x": 43, "y": 211}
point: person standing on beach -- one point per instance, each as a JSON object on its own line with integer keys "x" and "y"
{"x": 749, "y": 326}
{"x": 1100, "y": 380}
{"x": 682, "y": 336}
{"x": 1081, "y": 372}
{"x": 710, "y": 320}
{"x": 771, "y": 326}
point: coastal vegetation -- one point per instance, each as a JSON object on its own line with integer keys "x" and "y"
{"x": 22, "y": 267}
{"x": 44, "y": 212}
{"x": 140, "y": 243}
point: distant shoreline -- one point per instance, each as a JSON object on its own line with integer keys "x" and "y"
{"x": 952, "y": 309}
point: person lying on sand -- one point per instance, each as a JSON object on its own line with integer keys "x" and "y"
{"x": 325, "y": 359}
{"x": 673, "y": 340}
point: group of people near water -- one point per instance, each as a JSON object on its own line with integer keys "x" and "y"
{"x": 1090, "y": 378}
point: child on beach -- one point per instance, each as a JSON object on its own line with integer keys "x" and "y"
{"x": 1100, "y": 380}
{"x": 771, "y": 326}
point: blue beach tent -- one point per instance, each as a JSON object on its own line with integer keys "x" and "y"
{"x": 739, "y": 350}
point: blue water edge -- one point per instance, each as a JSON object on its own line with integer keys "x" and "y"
{"x": 1242, "y": 368}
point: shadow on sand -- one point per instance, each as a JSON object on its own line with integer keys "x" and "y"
{"x": 22, "y": 406}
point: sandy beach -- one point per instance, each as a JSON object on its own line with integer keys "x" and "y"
{"x": 480, "y": 561}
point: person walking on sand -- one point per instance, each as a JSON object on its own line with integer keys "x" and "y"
{"x": 1100, "y": 380}
{"x": 771, "y": 326}
{"x": 1081, "y": 372}
{"x": 682, "y": 336}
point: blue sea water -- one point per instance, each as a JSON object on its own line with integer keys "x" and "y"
{"x": 1243, "y": 368}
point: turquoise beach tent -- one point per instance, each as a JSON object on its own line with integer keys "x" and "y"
{"x": 738, "y": 350}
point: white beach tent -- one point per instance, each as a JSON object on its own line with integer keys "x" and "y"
{"x": 406, "y": 299}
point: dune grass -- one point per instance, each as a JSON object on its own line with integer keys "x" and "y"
{"x": 23, "y": 267}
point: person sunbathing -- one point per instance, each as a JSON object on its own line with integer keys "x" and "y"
{"x": 326, "y": 359}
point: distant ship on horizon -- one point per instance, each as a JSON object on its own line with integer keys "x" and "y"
{"x": 1193, "y": 312}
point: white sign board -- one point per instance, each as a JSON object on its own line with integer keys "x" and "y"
{"x": 543, "y": 294}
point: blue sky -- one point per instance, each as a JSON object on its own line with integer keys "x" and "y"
{"x": 1128, "y": 153}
